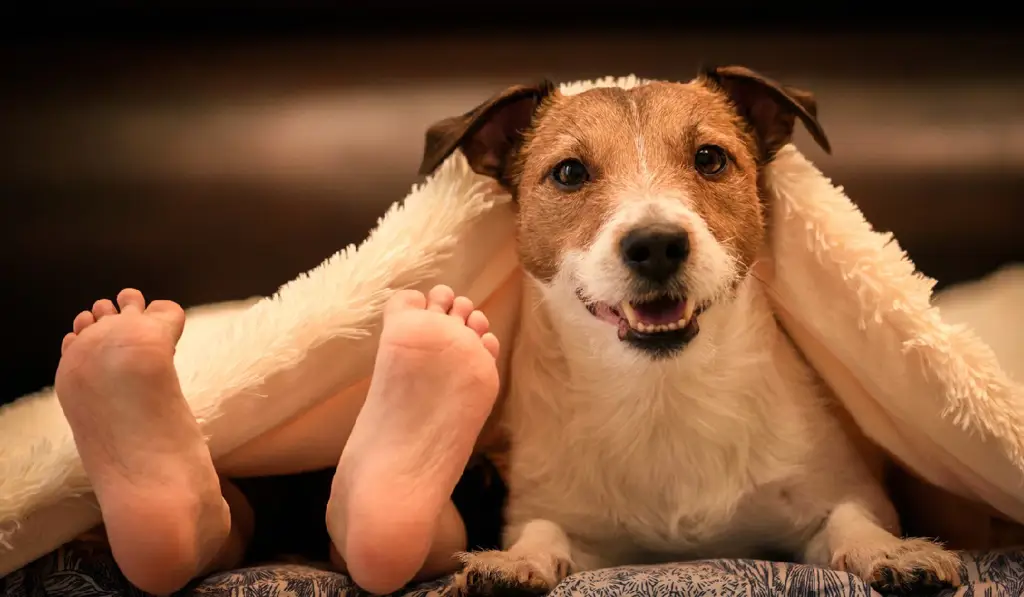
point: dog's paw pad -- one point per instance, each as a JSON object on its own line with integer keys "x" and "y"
{"x": 504, "y": 573}
{"x": 909, "y": 566}
{"x": 889, "y": 581}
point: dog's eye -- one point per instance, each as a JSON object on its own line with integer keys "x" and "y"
{"x": 570, "y": 174}
{"x": 710, "y": 160}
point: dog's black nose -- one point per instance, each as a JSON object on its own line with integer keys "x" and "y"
{"x": 656, "y": 253}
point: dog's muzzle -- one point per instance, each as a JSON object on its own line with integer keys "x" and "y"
{"x": 658, "y": 318}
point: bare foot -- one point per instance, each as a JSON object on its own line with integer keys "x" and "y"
{"x": 434, "y": 384}
{"x": 140, "y": 444}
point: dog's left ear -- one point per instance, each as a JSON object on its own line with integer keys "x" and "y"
{"x": 487, "y": 134}
{"x": 770, "y": 108}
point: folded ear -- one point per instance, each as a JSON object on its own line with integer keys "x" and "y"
{"x": 771, "y": 109}
{"x": 487, "y": 134}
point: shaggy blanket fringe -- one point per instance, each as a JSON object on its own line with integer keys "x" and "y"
{"x": 931, "y": 393}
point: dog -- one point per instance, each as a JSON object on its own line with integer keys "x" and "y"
{"x": 658, "y": 412}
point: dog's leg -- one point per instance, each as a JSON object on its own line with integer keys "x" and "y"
{"x": 852, "y": 540}
{"x": 539, "y": 558}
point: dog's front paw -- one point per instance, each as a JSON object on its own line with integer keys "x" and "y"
{"x": 904, "y": 566}
{"x": 506, "y": 573}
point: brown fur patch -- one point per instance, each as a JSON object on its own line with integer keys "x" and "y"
{"x": 635, "y": 143}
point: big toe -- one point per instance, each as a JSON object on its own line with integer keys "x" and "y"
{"x": 405, "y": 300}
{"x": 170, "y": 313}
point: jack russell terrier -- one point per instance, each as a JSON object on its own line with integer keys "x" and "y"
{"x": 658, "y": 412}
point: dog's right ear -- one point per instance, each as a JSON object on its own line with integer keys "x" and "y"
{"x": 488, "y": 134}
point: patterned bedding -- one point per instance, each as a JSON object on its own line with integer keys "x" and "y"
{"x": 80, "y": 572}
{"x": 86, "y": 569}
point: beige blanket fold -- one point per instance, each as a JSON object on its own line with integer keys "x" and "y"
{"x": 262, "y": 375}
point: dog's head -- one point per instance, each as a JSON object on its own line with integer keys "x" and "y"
{"x": 641, "y": 206}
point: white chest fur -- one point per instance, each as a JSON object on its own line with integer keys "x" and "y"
{"x": 640, "y": 460}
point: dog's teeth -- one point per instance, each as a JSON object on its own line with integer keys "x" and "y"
{"x": 630, "y": 314}
{"x": 633, "y": 318}
{"x": 688, "y": 311}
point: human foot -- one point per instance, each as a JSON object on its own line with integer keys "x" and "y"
{"x": 139, "y": 442}
{"x": 434, "y": 384}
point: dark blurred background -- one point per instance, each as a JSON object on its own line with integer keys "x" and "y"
{"x": 205, "y": 156}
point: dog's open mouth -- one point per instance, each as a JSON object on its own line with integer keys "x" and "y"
{"x": 660, "y": 322}
{"x": 657, "y": 315}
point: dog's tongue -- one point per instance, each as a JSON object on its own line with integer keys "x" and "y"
{"x": 662, "y": 311}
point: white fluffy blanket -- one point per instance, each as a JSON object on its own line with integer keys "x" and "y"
{"x": 264, "y": 377}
